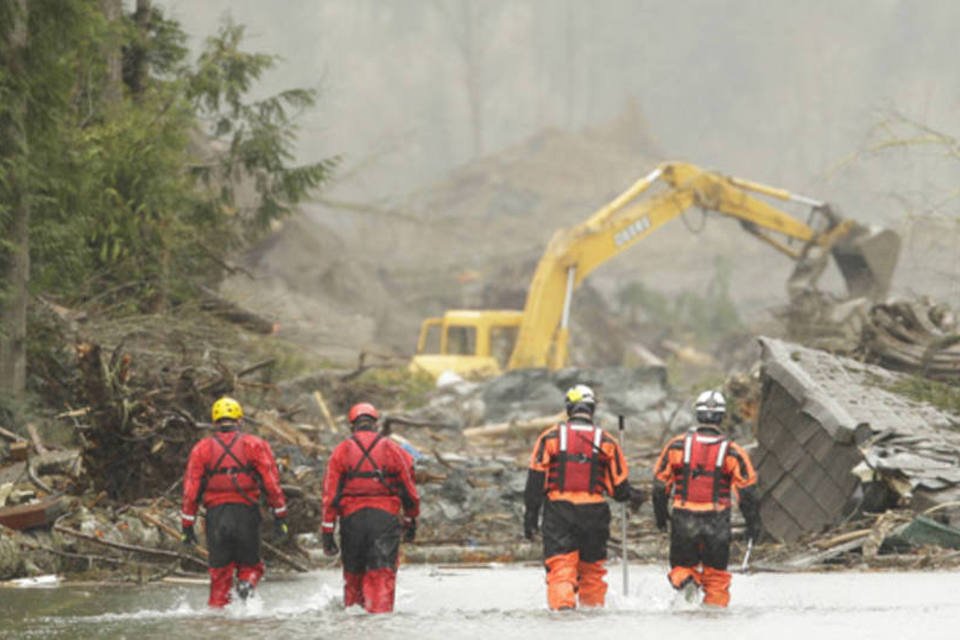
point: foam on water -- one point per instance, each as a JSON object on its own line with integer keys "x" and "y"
{"x": 506, "y": 603}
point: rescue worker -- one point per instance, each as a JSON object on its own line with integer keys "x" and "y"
{"x": 573, "y": 465}
{"x": 704, "y": 470}
{"x": 368, "y": 484}
{"x": 226, "y": 471}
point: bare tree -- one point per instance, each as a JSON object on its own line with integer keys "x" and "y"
{"x": 465, "y": 19}
{"x": 16, "y": 276}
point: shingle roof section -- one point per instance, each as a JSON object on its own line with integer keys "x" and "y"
{"x": 823, "y": 414}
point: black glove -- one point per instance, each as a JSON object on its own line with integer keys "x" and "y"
{"x": 750, "y": 508}
{"x": 754, "y": 529}
{"x": 530, "y": 524}
{"x": 409, "y": 529}
{"x": 330, "y": 547}
{"x": 187, "y": 536}
{"x": 636, "y": 499}
{"x": 280, "y": 530}
{"x": 660, "y": 514}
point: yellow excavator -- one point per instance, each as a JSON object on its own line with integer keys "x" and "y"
{"x": 479, "y": 343}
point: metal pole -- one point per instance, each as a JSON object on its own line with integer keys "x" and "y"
{"x": 565, "y": 314}
{"x": 623, "y": 524}
{"x": 745, "y": 565}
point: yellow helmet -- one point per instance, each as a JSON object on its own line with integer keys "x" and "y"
{"x": 580, "y": 399}
{"x": 226, "y": 409}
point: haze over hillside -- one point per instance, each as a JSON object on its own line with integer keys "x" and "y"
{"x": 777, "y": 90}
{"x": 788, "y": 93}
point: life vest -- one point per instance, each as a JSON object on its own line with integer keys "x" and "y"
{"x": 577, "y": 464}
{"x": 701, "y": 478}
{"x": 372, "y": 481}
{"x": 232, "y": 472}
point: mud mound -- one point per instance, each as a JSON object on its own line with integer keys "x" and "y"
{"x": 352, "y": 276}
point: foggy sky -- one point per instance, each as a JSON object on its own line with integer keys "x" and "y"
{"x": 774, "y": 90}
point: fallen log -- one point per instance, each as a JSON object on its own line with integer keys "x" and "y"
{"x": 804, "y": 562}
{"x": 843, "y": 537}
{"x": 200, "y": 549}
{"x": 285, "y": 557}
{"x": 163, "y": 553}
{"x": 11, "y": 436}
{"x": 35, "y": 479}
{"x": 419, "y": 554}
{"x": 389, "y": 421}
{"x": 172, "y": 532}
{"x": 325, "y": 411}
{"x": 35, "y": 438}
{"x": 277, "y": 427}
{"x": 89, "y": 557}
{"x": 688, "y": 354}
{"x": 518, "y": 426}
{"x": 232, "y": 312}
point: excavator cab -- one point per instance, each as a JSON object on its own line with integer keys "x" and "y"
{"x": 472, "y": 344}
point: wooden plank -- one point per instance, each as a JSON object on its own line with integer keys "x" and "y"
{"x": 325, "y": 411}
{"x": 19, "y": 451}
{"x": 37, "y": 514}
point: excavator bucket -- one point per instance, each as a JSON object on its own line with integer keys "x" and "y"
{"x": 867, "y": 258}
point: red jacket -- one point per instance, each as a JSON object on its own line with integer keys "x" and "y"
{"x": 228, "y": 467}
{"x": 368, "y": 470}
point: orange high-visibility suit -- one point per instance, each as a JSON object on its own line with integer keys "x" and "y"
{"x": 703, "y": 469}
{"x": 573, "y": 465}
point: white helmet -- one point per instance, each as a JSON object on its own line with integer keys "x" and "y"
{"x": 711, "y": 407}
{"x": 580, "y": 399}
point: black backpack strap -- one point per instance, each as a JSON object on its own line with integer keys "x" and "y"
{"x": 355, "y": 472}
{"x": 232, "y": 472}
{"x": 365, "y": 457}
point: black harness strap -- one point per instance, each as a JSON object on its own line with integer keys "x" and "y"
{"x": 355, "y": 472}
{"x": 365, "y": 457}
{"x": 216, "y": 469}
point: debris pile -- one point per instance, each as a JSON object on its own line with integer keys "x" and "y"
{"x": 917, "y": 336}
{"x": 835, "y": 439}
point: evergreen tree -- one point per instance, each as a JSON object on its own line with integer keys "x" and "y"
{"x": 128, "y": 192}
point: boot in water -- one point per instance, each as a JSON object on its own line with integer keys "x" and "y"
{"x": 244, "y": 589}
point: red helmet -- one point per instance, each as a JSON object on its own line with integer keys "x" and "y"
{"x": 362, "y": 409}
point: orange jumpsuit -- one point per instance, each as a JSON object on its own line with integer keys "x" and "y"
{"x": 573, "y": 465}
{"x": 703, "y": 470}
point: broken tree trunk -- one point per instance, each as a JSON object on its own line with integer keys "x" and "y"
{"x": 520, "y": 426}
{"x": 163, "y": 553}
{"x": 232, "y": 312}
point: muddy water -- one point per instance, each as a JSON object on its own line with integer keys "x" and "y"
{"x": 503, "y": 602}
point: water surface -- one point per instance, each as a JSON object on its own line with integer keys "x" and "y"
{"x": 505, "y": 602}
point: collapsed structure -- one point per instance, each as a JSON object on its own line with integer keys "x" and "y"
{"x": 835, "y": 439}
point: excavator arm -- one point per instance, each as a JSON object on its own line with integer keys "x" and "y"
{"x": 866, "y": 259}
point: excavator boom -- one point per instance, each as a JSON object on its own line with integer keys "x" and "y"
{"x": 866, "y": 257}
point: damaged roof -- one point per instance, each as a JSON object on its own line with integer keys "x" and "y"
{"x": 822, "y": 416}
